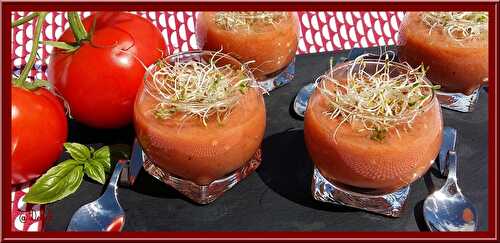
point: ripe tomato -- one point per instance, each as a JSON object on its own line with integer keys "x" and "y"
{"x": 39, "y": 129}
{"x": 101, "y": 78}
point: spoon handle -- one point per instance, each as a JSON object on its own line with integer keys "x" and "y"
{"x": 449, "y": 143}
{"x": 113, "y": 182}
{"x": 451, "y": 159}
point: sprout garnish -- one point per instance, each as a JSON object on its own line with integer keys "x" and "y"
{"x": 460, "y": 26}
{"x": 379, "y": 100}
{"x": 246, "y": 20}
{"x": 197, "y": 88}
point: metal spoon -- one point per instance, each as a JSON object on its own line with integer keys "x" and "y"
{"x": 448, "y": 209}
{"x": 449, "y": 143}
{"x": 300, "y": 102}
{"x": 103, "y": 214}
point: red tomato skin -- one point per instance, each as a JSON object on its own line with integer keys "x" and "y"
{"x": 100, "y": 80}
{"x": 39, "y": 129}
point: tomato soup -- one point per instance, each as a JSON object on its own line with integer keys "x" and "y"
{"x": 347, "y": 155}
{"x": 198, "y": 151}
{"x": 459, "y": 65}
{"x": 267, "y": 41}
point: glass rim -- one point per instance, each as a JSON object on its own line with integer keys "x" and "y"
{"x": 200, "y": 53}
{"x": 483, "y": 37}
{"x": 249, "y": 14}
{"x": 151, "y": 89}
{"x": 284, "y": 18}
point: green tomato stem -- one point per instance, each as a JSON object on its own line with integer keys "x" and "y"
{"x": 36, "y": 40}
{"x": 76, "y": 25}
{"x": 24, "y": 19}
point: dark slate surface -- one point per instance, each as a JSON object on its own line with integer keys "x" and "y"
{"x": 278, "y": 197}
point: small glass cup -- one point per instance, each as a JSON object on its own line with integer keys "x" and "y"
{"x": 458, "y": 64}
{"x": 353, "y": 169}
{"x": 200, "y": 160}
{"x": 265, "y": 41}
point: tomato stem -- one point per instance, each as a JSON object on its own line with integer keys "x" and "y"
{"x": 76, "y": 25}
{"x": 36, "y": 40}
{"x": 24, "y": 19}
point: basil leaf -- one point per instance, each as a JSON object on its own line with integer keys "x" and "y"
{"x": 57, "y": 183}
{"x": 103, "y": 156}
{"x": 95, "y": 170}
{"x": 77, "y": 151}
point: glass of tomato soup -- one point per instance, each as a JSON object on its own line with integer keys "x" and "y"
{"x": 454, "y": 46}
{"x": 200, "y": 119}
{"x": 265, "y": 41}
{"x": 372, "y": 127}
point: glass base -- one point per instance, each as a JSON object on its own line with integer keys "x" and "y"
{"x": 458, "y": 101}
{"x": 203, "y": 194}
{"x": 279, "y": 79}
{"x": 386, "y": 204}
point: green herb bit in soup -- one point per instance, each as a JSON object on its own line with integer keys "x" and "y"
{"x": 378, "y": 100}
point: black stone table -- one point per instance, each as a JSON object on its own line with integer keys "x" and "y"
{"x": 278, "y": 197}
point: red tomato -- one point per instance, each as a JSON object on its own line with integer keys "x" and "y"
{"x": 101, "y": 78}
{"x": 39, "y": 129}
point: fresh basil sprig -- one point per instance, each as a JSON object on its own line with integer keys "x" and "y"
{"x": 65, "y": 178}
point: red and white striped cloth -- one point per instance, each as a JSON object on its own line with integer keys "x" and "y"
{"x": 320, "y": 31}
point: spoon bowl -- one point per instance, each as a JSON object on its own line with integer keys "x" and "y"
{"x": 300, "y": 102}
{"x": 448, "y": 209}
{"x": 103, "y": 214}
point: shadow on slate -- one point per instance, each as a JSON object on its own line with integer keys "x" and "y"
{"x": 418, "y": 210}
{"x": 287, "y": 169}
{"x": 148, "y": 185}
{"x": 80, "y": 133}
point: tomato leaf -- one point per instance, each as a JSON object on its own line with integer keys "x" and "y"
{"x": 103, "y": 156}
{"x": 37, "y": 83}
{"x": 78, "y": 151}
{"x": 61, "y": 45}
{"x": 57, "y": 183}
{"x": 95, "y": 170}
